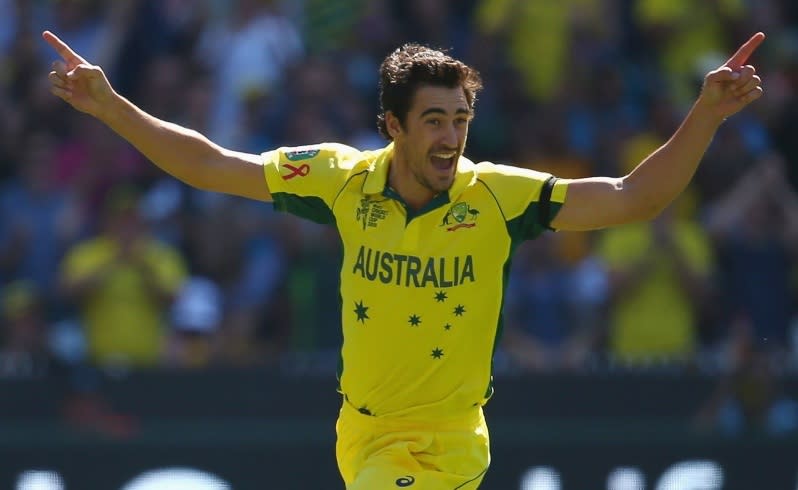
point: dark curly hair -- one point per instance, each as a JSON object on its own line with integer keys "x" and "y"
{"x": 413, "y": 65}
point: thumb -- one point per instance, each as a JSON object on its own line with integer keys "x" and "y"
{"x": 83, "y": 70}
{"x": 723, "y": 74}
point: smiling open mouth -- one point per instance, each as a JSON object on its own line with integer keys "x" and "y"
{"x": 443, "y": 161}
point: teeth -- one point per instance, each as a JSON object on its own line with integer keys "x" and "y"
{"x": 443, "y": 155}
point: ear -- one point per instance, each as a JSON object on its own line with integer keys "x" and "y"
{"x": 393, "y": 124}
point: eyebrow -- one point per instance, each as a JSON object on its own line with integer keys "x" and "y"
{"x": 438, "y": 110}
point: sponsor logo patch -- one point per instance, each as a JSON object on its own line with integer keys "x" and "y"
{"x": 405, "y": 481}
{"x": 302, "y": 153}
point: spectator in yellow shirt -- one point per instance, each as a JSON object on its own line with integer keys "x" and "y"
{"x": 122, "y": 283}
{"x": 660, "y": 272}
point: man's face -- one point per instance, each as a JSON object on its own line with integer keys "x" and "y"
{"x": 433, "y": 137}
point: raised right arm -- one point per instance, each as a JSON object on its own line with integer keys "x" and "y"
{"x": 184, "y": 153}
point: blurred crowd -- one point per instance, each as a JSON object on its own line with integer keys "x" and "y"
{"x": 106, "y": 261}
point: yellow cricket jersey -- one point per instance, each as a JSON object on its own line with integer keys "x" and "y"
{"x": 421, "y": 291}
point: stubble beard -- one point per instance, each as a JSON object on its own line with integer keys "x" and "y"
{"x": 429, "y": 184}
{"x": 434, "y": 184}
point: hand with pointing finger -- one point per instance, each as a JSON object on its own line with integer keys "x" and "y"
{"x": 735, "y": 84}
{"x": 83, "y": 85}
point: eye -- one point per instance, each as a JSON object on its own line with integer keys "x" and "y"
{"x": 434, "y": 122}
{"x": 461, "y": 121}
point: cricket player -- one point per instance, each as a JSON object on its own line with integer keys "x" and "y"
{"x": 428, "y": 239}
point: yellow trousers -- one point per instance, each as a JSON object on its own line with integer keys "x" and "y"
{"x": 377, "y": 453}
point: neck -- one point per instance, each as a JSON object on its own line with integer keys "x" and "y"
{"x": 402, "y": 180}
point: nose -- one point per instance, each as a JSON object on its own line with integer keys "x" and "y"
{"x": 449, "y": 137}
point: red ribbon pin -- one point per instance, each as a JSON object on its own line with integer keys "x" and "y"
{"x": 301, "y": 171}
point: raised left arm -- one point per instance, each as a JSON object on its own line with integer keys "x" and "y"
{"x": 598, "y": 202}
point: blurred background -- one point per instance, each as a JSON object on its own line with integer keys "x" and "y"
{"x": 153, "y": 336}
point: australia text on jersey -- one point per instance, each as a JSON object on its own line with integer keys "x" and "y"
{"x": 410, "y": 270}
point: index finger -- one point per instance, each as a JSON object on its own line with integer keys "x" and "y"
{"x": 62, "y": 48}
{"x": 739, "y": 58}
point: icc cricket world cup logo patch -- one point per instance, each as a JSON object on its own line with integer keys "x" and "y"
{"x": 371, "y": 212}
{"x": 460, "y": 215}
